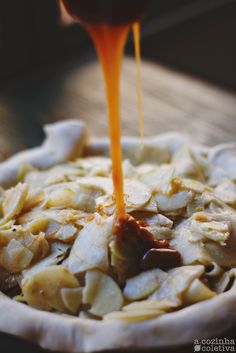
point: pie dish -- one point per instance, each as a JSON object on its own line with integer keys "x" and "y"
{"x": 70, "y": 284}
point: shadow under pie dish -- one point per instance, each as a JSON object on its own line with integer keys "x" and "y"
{"x": 70, "y": 284}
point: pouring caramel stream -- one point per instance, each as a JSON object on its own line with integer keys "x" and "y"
{"x": 109, "y": 40}
{"x": 136, "y": 32}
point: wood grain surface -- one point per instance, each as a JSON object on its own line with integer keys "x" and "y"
{"x": 172, "y": 102}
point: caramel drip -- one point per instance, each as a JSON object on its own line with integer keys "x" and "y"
{"x": 136, "y": 34}
{"x": 109, "y": 42}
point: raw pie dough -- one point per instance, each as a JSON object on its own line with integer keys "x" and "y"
{"x": 56, "y": 242}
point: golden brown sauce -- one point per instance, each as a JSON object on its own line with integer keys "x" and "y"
{"x": 136, "y": 32}
{"x": 109, "y": 42}
{"x": 130, "y": 227}
{"x": 108, "y": 24}
{"x": 140, "y": 249}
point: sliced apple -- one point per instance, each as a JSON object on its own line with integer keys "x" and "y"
{"x": 138, "y": 315}
{"x": 144, "y": 284}
{"x": 163, "y": 305}
{"x": 43, "y": 290}
{"x": 65, "y": 233}
{"x": 72, "y": 298}
{"x": 198, "y": 292}
{"x": 166, "y": 203}
{"x": 61, "y": 198}
{"x": 90, "y": 249}
{"x": 15, "y": 257}
{"x": 13, "y": 201}
{"x": 102, "y": 293}
{"x": 58, "y": 252}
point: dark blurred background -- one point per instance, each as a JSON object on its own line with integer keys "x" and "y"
{"x": 37, "y": 53}
{"x": 196, "y": 36}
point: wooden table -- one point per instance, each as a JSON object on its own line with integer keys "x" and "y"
{"x": 171, "y": 100}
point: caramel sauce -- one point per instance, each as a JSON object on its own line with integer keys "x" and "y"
{"x": 129, "y": 227}
{"x": 109, "y": 42}
{"x": 161, "y": 258}
{"x": 133, "y": 241}
{"x": 108, "y": 23}
{"x": 147, "y": 251}
{"x": 137, "y": 49}
{"x": 140, "y": 250}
